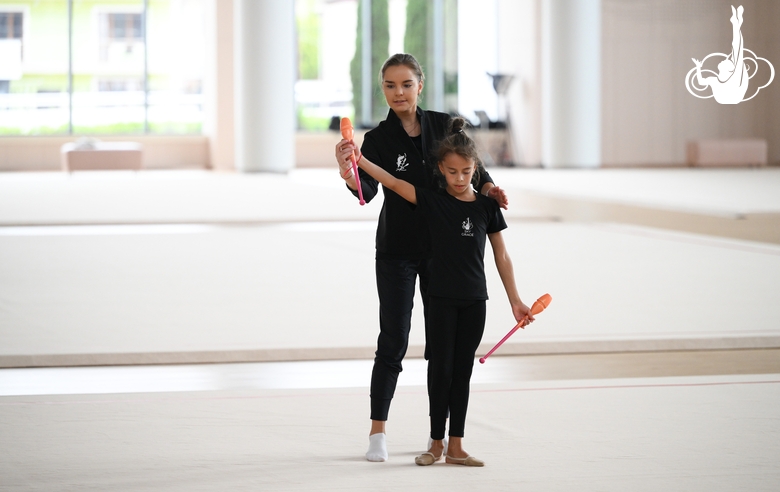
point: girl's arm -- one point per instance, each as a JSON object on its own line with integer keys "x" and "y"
{"x": 403, "y": 188}
{"x": 507, "y": 274}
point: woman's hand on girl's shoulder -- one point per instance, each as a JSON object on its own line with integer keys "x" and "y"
{"x": 499, "y": 195}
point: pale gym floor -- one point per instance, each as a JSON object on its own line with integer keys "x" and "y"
{"x": 199, "y": 331}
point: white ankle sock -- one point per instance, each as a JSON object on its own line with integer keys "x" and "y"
{"x": 377, "y": 448}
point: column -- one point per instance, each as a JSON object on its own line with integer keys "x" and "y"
{"x": 264, "y": 85}
{"x": 571, "y": 87}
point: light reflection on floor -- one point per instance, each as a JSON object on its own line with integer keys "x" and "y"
{"x": 210, "y": 377}
{"x": 161, "y": 229}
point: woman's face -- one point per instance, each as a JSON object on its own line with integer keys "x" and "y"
{"x": 458, "y": 172}
{"x": 401, "y": 89}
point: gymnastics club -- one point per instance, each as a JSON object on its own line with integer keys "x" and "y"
{"x": 347, "y": 132}
{"x": 539, "y": 306}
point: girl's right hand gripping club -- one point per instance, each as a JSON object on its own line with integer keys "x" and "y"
{"x": 537, "y": 308}
{"x": 347, "y": 132}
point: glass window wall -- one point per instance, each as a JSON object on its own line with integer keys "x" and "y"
{"x": 335, "y": 74}
{"x": 101, "y": 66}
{"x": 33, "y": 67}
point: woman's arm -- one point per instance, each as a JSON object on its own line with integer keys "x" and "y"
{"x": 507, "y": 274}
{"x": 403, "y": 188}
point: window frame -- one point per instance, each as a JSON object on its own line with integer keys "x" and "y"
{"x": 24, "y": 10}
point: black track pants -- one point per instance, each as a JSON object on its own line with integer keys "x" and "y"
{"x": 395, "y": 280}
{"x": 455, "y": 330}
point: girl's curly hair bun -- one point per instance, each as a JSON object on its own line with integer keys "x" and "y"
{"x": 457, "y": 141}
{"x": 457, "y": 125}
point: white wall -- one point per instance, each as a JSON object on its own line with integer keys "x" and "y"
{"x": 647, "y": 113}
{"x": 502, "y": 36}
{"x": 477, "y": 55}
{"x": 772, "y": 47}
{"x": 519, "y": 53}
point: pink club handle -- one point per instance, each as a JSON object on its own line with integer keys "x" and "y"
{"x": 538, "y": 306}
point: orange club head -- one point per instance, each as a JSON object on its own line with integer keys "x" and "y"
{"x": 347, "y": 132}
{"x": 541, "y": 304}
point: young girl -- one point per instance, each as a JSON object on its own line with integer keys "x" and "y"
{"x": 459, "y": 219}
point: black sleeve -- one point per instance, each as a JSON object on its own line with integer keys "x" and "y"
{"x": 496, "y": 220}
{"x": 368, "y": 186}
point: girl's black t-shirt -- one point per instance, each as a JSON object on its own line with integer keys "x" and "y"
{"x": 458, "y": 234}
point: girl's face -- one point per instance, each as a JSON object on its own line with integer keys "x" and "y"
{"x": 458, "y": 171}
{"x": 401, "y": 88}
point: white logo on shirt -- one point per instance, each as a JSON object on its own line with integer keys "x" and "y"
{"x": 467, "y": 228}
{"x": 401, "y": 163}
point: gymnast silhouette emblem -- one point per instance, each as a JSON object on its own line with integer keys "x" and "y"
{"x": 730, "y": 84}
{"x": 467, "y": 228}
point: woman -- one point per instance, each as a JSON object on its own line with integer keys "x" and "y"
{"x": 402, "y": 144}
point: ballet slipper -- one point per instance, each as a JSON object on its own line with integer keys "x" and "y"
{"x": 467, "y": 461}
{"x": 427, "y": 458}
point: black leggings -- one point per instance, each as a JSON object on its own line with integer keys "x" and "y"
{"x": 455, "y": 330}
{"x": 395, "y": 281}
